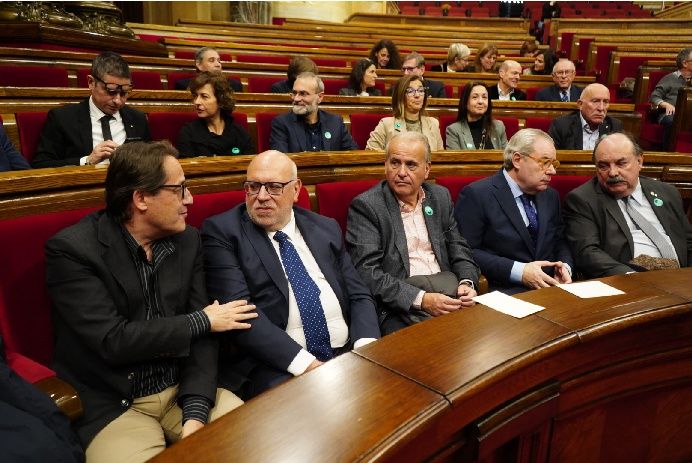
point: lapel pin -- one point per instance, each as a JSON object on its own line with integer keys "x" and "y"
{"x": 327, "y": 135}
{"x": 428, "y": 210}
{"x": 658, "y": 202}
{"x": 397, "y": 125}
{"x": 235, "y": 150}
{"x": 653, "y": 193}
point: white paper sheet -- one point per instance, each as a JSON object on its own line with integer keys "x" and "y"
{"x": 587, "y": 289}
{"x": 507, "y": 304}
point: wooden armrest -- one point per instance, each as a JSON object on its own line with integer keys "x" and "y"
{"x": 482, "y": 285}
{"x": 64, "y": 396}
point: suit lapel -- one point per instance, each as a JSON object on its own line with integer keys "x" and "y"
{"x": 299, "y": 134}
{"x": 613, "y": 209}
{"x": 397, "y": 225}
{"x": 577, "y": 131}
{"x": 466, "y": 137}
{"x": 542, "y": 212}
{"x": 324, "y": 125}
{"x": 504, "y": 197}
{"x": 84, "y": 124}
{"x": 259, "y": 240}
{"x": 127, "y": 122}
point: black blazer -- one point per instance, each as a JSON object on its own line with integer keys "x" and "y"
{"x": 281, "y": 87}
{"x": 494, "y": 94}
{"x": 288, "y": 133}
{"x": 195, "y": 139}
{"x": 436, "y": 89}
{"x": 183, "y": 84}
{"x": 101, "y": 331}
{"x": 566, "y": 131}
{"x": 552, "y": 93}
{"x": 66, "y": 137}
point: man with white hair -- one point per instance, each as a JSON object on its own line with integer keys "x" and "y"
{"x": 512, "y": 219}
{"x": 563, "y": 90}
{"x": 306, "y": 127}
{"x": 507, "y": 87}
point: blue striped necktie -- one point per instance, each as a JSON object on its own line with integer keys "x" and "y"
{"x": 307, "y": 296}
{"x": 531, "y": 215}
{"x": 563, "y": 96}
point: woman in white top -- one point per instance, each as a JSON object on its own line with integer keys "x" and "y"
{"x": 409, "y": 98}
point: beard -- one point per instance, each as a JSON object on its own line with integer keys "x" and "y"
{"x": 304, "y": 110}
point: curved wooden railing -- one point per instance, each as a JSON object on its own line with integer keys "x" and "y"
{"x": 604, "y": 379}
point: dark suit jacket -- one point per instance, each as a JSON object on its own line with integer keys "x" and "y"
{"x": 598, "y": 234}
{"x": 183, "y": 84}
{"x": 288, "y": 133}
{"x": 66, "y": 137}
{"x": 241, "y": 263}
{"x": 10, "y": 158}
{"x": 490, "y": 221}
{"x": 282, "y": 87}
{"x": 552, "y": 93}
{"x": 436, "y": 89}
{"x": 101, "y": 331}
{"x": 377, "y": 242}
{"x": 566, "y": 131}
{"x": 494, "y": 94}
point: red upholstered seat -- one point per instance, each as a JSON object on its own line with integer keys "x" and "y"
{"x": 335, "y": 198}
{"x": 542, "y": 123}
{"x": 337, "y": 63}
{"x": 511, "y": 125}
{"x": 531, "y": 93}
{"x": 28, "y": 369}
{"x": 566, "y": 183}
{"x": 332, "y": 86}
{"x": 263, "y": 121}
{"x": 449, "y": 90}
{"x": 33, "y": 76}
{"x": 209, "y": 204}
{"x": 456, "y": 183}
{"x": 142, "y": 80}
{"x": 273, "y": 59}
{"x": 361, "y": 126}
{"x": 30, "y": 126}
{"x": 25, "y": 309}
{"x": 651, "y": 133}
{"x": 166, "y": 126}
{"x": 684, "y": 143}
{"x": 445, "y": 120}
{"x": 174, "y": 77}
{"x": 262, "y": 84}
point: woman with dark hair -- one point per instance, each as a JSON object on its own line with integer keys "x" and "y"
{"x": 486, "y": 59}
{"x": 385, "y": 55}
{"x": 475, "y": 127}
{"x": 214, "y": 133}
{"x": 362, "y": 80}
{"x": 409, "y": 98}
{"x": 542, "y": 64}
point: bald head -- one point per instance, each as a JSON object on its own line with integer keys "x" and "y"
{"x": 510, "y": 73}
{"x": 274, "y": 161}
{"x": 593, "y": 104}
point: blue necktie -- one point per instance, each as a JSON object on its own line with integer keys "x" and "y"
{"x": 307, "y": 295}
{"x": 531, "y": 215}
{"x": 563, "y": 96}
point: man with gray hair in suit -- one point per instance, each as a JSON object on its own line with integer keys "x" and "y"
{"x": 404, "y": 241}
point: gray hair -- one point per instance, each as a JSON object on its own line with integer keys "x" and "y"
{"x": 571, "y": 64}
{"x": 199, "y": 54}
{"x": 457, "y": 50}
{"x": 684, "y": 55}
{"x": 420, "y": 61}
{"x": 522, "y": 142}
{"x": 636, "y": 149}
{"x": 110, "y": 63}
{"x": 319, "y": 85}
{"x": 410, "y": 138}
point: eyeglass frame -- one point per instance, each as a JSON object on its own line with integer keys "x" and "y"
{"x": 544, "y": 163}
{"x": 183, "y": 188}
{"x": 302, "y": 94}
{"x": 413, "y": 90}
{"x": 119, "y": 89}
{"x": 564, "y": 72}
{"x": 267, "y": 185}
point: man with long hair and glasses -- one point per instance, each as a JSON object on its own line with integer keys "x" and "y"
{"x": 133, "y": 323}
{"x": 88, "y": 132}
{"x": 292, "y": 264}
{"x": 512, "y": 219}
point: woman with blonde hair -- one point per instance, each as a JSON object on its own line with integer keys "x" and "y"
{"x": 409, "y": 99}
{"x": 457, "y": 59}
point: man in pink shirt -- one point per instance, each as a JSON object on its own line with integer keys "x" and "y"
{"x": 404, "y": 241}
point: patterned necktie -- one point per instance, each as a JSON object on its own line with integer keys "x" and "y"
{"x": 106, "y": 127}
{"x": 531, "y": 215}
{"x": 307, "y": 296}
{"x": 563, "y": 96}
{"x": 664, "y": 247}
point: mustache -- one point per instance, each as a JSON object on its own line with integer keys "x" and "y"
{"x": 612, "y": 180}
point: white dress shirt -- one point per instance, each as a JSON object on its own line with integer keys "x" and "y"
{"x": 117, "y": 129}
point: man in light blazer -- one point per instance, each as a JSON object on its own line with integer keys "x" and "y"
{"x": 245, "y": 258}
{"x": 581, "y": 129}
{"x": 306, "y": 127}
{"x": 88, "y": 132}
{"x": 563, "y": 90}
{"x": 600, "y": 228}
{"x": 495, "y": 216}
{"x": 404, "y": 227}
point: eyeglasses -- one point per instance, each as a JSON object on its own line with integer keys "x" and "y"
{"x": 114, "y": 89}
{"x": 562, "y": 73}
{"x": 409, "y": 68}
{"x": 273, "y": 188}
{"x": 182, "y": 186}
{"x": 545, "y": 163}
{"x": 413, "y": 91}
{"x": 301, "y": 93}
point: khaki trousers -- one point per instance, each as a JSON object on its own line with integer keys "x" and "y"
{"x": 144, "y": 429}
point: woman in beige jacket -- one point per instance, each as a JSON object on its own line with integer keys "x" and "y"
{"x": 409, "y": 98}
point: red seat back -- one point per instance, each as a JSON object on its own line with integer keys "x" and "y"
{"x": 337, "y": 63}
{"x": 335, "y": 198}
{"x": 30, "y": 126}
{"x": 209, "y": 204}
{"x": 566, "y": 183}
{"x": 456, "y": 183}
{"x": 361, "y": 126}
{"x": 33, "y": 76}
{"x": 445, "y": 121}
{"x": 511, "y": 125}
{"x": 263, "y": 121}
{"x": 166, "y": 126}
{"x": 174, "y": 77}
{"x": 262, "y": 84}
{"x": 272, "y": 59}
{"x": 542, "y": 123}
{"x": 141, "y": 80}
{"x": 332, "y": 86}
{"x": 531, "y": 93}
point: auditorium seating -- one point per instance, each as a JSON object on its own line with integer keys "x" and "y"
{"x": 33, "y": 76}
{"x": 30, "y": 125}
{"x": 542, "y": 123}
{"x": 334, "y": 198}
{"x": 141, "y": 80}
{"x": 264, "y": 130}
{"x": 262, "y": 84}
{"x": 362, "y": 124}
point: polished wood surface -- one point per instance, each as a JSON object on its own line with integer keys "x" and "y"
{"x": 63, "y": 394}
{"x": 603, "y": 379}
